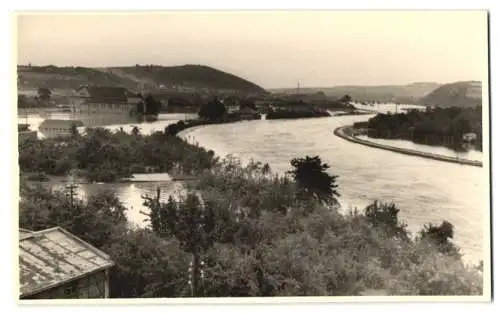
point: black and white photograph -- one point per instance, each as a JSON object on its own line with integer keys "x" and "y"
{"x": 168, "y": 155}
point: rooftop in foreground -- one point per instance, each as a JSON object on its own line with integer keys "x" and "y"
{"x": 51, "y": 257}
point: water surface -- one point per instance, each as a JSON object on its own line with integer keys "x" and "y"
{"x": 426, "y": 191}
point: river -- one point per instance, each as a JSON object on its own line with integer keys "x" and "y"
{"x": 426, "y": 191}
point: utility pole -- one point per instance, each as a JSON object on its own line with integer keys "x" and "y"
{"x": 71, "y": 188}
{"x": 196, "y": 273}
{"x": 190, "y": 277}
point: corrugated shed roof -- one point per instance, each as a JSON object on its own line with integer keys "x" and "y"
{"x": 55, "y": 123}
{"x": 52, "y": 257}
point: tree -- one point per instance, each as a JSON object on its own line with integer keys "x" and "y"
{"x": 146, "y": 266}
{"x": 214, "y": 110}
{"x": 230, "y": 273}
{"x": 189, "y": 222}
{"x": 440, "y": 236}
{"x": 136, "y": 131}
{"x": 346, "y": 99}
{"x": 173, "y": 129}
{"x": 74, "y": 130}
{"x": 385, "y": 216}
{"x": 44, "y": 94}
{"x": 313, "y": 180}
{"x": 152, "y": 106}
{"x": 92, "y": 220}
{"x": 22, "y": 101}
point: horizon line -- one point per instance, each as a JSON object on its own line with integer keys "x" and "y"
{"x": 251, "y": 81}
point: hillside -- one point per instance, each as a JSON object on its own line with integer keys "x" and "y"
{"x": 186, "y": 78}
{"x": 467, "y": 94}
{"x": 63, "y": 78}
{"x": 384, "y": 93}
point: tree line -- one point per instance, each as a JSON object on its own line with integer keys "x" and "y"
{"x": 103, "y": 156}
{"x": 440, "y": 126}
{"x": 296, "y": 113}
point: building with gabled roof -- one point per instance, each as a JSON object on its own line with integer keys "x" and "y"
{"x": 55, "y": 264}
{"x": 91, "y": 99}
{"x": 51, "y": 128}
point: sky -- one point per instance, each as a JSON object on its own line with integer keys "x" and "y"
{"x": 270, "y": 48}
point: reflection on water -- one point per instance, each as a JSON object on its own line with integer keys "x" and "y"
{"x": 130, "y": 194}
{"x": 425, "y": 190}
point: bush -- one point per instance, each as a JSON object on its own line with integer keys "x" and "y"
{"x": 146, "y": 266}
{"x": 385, "y": 216}
{"x": 102, "y": 156}
{"x": 437, "y": 275}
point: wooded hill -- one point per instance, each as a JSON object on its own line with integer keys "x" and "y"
{"x": 458, "y": 94}
{"x": 185, "y": 78}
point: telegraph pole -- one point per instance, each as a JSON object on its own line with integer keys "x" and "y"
{"x": 71, "y": 188}
{"x": 196, "y": 273}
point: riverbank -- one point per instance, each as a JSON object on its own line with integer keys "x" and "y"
{"x": 296, "y": 114}
{"x": 354, "y": 113}
{"x": 441, "y": 127}
{"x": 347, "y": 133}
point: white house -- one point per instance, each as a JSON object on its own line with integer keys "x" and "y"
{"x": 56, "y": 128}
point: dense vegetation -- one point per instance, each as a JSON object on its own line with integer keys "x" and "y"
{"x": 251, "y": 233}
{"x": 443, "y": 127}
{"x": 103, "y": 156}
{"x": 296, "y": 113}
{"x": 23, "y": 127}
{"x": 214, "y": 111}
